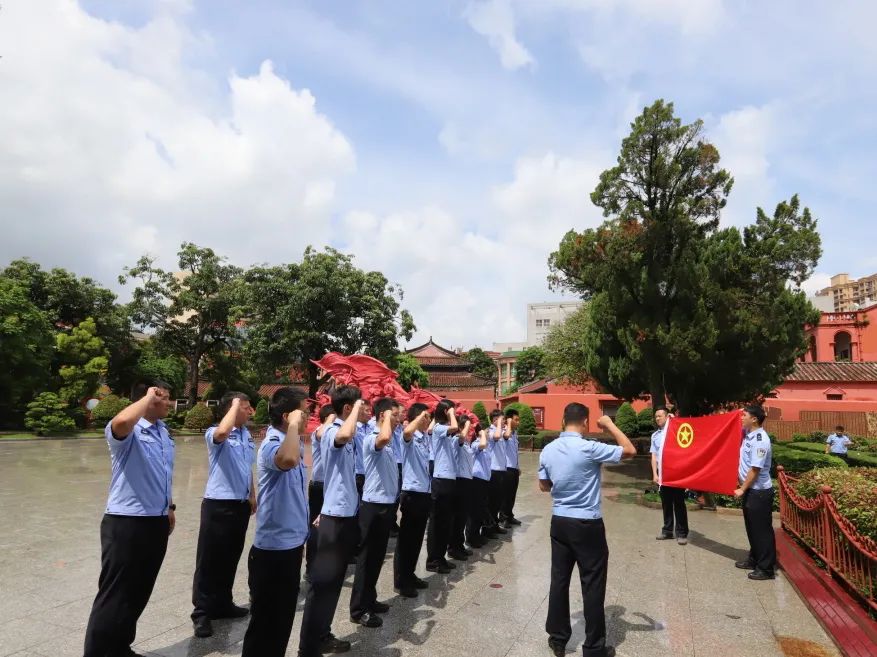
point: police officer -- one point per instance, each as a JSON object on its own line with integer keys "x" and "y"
{"x": 444, "y": 483}
{"x": 139, "y": 518}
{"x": 228, "y": 502}
{"x": 463, "y": 499}
{"x": 397, "y": 443}
{"x": 281, "y": 528}
{"x": 338, "y": 533}
{"x": 838, "y": 443}
{"x": 414, "y": 502}
{"x": 480, "y": 485}
{"x": 376, "y": 514}
{"x": 672, "y": 499}
{"x": 512, "y": 470}
{"x": 315, "y": 487}
{"x": 496, "y": 448}
{"x": 569, "y": 468}
{"x": 756, "y": 491}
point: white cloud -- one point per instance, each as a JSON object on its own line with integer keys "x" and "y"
{"x": 818, "y": 281}
{"x": 495, "y": 20}
{"x": 114, "y": 146}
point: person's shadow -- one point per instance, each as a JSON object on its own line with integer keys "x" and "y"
{"x": 699, "y": 540}
{"x": 617, "y": 628}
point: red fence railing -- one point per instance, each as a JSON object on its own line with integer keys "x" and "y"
{"x": 832, "y": 538}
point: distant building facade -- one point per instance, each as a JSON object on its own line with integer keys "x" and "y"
{"x": 846, "y": 294}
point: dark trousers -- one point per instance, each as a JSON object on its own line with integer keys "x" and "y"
{"x": 375, "y": 521}
{"x": 220, "y": 544}
{"x": 675, "y": 512}
{"x": 335, "y": 545}
{"x": 497, "y": 493}
{"x": 415, "y": 512}
{"x": 582, "y": 543}
{"x": 274, "y": 581}
{"x": 132, "y": 550}
{"x": 360, "y": 485}
{"x": 462, "y": 510}
{"x": 758, "y": 518}
{"x": 315, "y": 505}
{"x": 398, "y": 498}
{"x": 479, "y": 511}
{"x": 441, "y": 520}
{"x": 512, "y": 477}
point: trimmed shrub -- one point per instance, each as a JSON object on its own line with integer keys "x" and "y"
{"x": 481, "y": 413}
{"x": 626, "y": 420}
{"x": 261, "y": 415}
{"x": 199, "y": 418}
{"x": 107, "y": 408}
{"x": 544, "y": 437}
{"x": 646, "y": 422}
{"x": 808, "y": 447}
{"x": 854, "y": 491}
{"x": 47, "y": 415}
{"x": 527, "y": 425}
{"x": 176, "y": 419}
{"x": 796, "y": 461}
{"x": 862, "y": 459}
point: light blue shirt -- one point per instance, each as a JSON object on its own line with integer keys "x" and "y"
{"x": 230, "y": 465}
{"x": 444, "y": 446}
{"x": 573, "y": 465}
{"x": 464, "y": 461}
{"x": 511, "y": 451}
{"x": 397, "y": 443}
{"x": 142, "y": 468}
{"x": 496, "y": 449}
{"x": 317, "y": 471}
{"x": 838, "y": 444}
{"x": 361, "y": 431}
{"x": 282, "y": 502}
{"x": 658, "y": 444}
{"x": 381, "y": 471}
{"x": 415, "y": 466}
{"x": 480, "y": 461}
{"x": 340, "y": 497}
{"x": 755, "y": 451}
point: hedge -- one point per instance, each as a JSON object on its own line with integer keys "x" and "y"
{"x": 854, "y": 491}
{"x": 799, "y": 460}
{"x": 808, "y": 447}
{"x": 107, "y": 408}
{"x": 199, "y": 418}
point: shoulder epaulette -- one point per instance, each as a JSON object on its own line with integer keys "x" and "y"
{"x": 274, "y": 440}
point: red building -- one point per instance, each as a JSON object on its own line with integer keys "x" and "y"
{"x": 451, "y": 376}
{"x": 849, "y": 336}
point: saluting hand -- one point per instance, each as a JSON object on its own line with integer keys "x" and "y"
{"x": 298, "y": 419}
{"x": 605, "y": 422}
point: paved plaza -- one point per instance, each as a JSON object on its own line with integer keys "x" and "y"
{"x": 662, "y": 599}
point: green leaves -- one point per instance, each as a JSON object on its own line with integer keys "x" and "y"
{"x": 530, "y": 365}
{"x": 410, "y": 372}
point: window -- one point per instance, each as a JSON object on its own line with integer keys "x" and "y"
{"x": 539, "y": 415}
{"x": 546, "y": 322}
{"x": 834, "y": 396}
{"x": 610, "y": 408}
{"x": 843, "y": 346}
{"x": 538, "y": 323}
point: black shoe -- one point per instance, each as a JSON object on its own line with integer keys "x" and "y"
{"x": 664, "y": 537}
{"x": 368, "y": 619}
{"x": 477, "y": 543}
{"x": 332, "y": 644}
{"x": 407, "y": 591}
{"x": 468, "y": 553}
{"x": 394, "y": 531}
{"x": 558, "y": 648}
{"x": 420, "y": 583}
{"x": 489, "y": 534}
{"x": 203, "y": 627}
{"x": 745, "y": 565}
{"x": 448, "y": 564}
{"x": 459, "y": 555}
{"x": 231, "y": 612}
{"x": 513, "y": 521}
{"x": 380, "y": 608}
{"x": 500, "y": 530}
{"x": 760, "y": 575}
{"x": 438, "y": 568}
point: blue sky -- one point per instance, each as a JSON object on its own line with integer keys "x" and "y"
{"x": 449, "y": 144}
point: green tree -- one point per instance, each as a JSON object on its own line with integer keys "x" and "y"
{"x": 26, "y": 348}
{"x": 296, "y": 313}
{"x": 83, "y": 361}
{"x": 530, "y": 365}
{"x": 646, "y": 421}
{"x": 410, "y": 372}
{"x": 678, "y": 307}
{"x": 484, "y": 365}
{"x": 48, "y": 415}
{"x": 228, "y": 371}
{"x": 189, "y": 311}
{"x": 107, "y": 408}
{"x": 626, "y": 419}
{"x": 261, "y": 415}
{"x": 527, "y": 425}
{"x": 199, "y": 418}
{"x": 481, "y": 414}
{"x": 153, "y": 363}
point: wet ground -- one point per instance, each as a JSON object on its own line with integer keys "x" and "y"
{"x": 662, "y": 599}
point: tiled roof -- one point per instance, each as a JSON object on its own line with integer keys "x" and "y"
{"x": 835, "y": 372}
{"x": 268, "y": 389}
{"x": 202, "y": 389}
{"x": 534, "y": 386}
{"x": 455, "y": 380}
{"x": 442, "y": 361}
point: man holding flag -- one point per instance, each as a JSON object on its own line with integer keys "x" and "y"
{"x": 672, "y": 499}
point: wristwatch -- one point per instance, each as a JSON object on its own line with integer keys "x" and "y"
{"x": 172, "y": 507}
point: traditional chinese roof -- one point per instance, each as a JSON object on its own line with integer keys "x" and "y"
{"x": 202, "y": 389}
{"x": 267, "y": 390}
{"x": 457, "y": 380}
{"x": 539, "y": 385}
{"x": 834, "y": 372}
{"x": 431, "y": 355}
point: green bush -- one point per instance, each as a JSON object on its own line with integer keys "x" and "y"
{"x": 176, "y": 419}
{"x": 481, "y": 414}
{"x": 864, "y": 444}
{"x": 107, "y": 408}
{"x": 854, "y": 491}
{"x": 862, "y": 459}
{"x": 626, "y": 420}
{"x": 48, "y": 415}
{"x": 798, "y": 460}
{"x": 818, "y": 436}
{"x": 807, "y": 447}
{"x": 261, "y": 415}
{"x": 645, "y": 422}
{"x": 544, "y": 437}
{"x": 527, "y": 425}
{"x": 199, "y": 418}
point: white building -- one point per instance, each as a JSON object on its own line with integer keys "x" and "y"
{"x": 541, "y": 318}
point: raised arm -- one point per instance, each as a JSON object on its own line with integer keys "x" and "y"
{"x": 627, "y": 448}
{"x": 385, "y": 431}
{"x": 289, "y": 454}
{"x": 125, "y": 421}
{"x": 226, "y": 424}
{"x": 348, "y": 429}
{"x": 453, "y": 425}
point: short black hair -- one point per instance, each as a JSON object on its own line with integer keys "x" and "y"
{"x": 344, "y": 395}
{"x": 839, "y": 428}
{"x": 285, "y": 400}
{"x": 495, "y": 413}
{"x": 757, "y": 412}
{"x": 441, "y": 411}
{"x": 575, "y": 413}
{"x": 227, "y": 399}
{"x": 511, "y": 412}
{"x": 661, "y": 408}
{"x": 415, "y": 410}
{"x": 383, "y": 404}
{"x": 139, "y": 390}
{"x": 325, "y": 411}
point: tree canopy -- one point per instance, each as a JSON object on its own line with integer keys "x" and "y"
{"x": 530, "y": 365}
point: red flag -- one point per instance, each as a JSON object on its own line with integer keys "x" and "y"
{"x": 702, "y": 453}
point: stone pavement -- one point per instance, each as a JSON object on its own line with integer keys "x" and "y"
{"x": 662, "y": 599}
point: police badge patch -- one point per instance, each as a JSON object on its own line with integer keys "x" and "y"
{"x": 761, "y": 452}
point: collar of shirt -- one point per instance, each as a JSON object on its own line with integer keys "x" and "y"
{"x": 152, "y": 427}
{"x": 752, "y": 434}
{"x": 569, "y": 434}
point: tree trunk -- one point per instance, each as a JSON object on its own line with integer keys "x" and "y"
{"x": 656, "y": 390}
{"x": 313, "y": 383}
{"x": 194, "y": 367}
